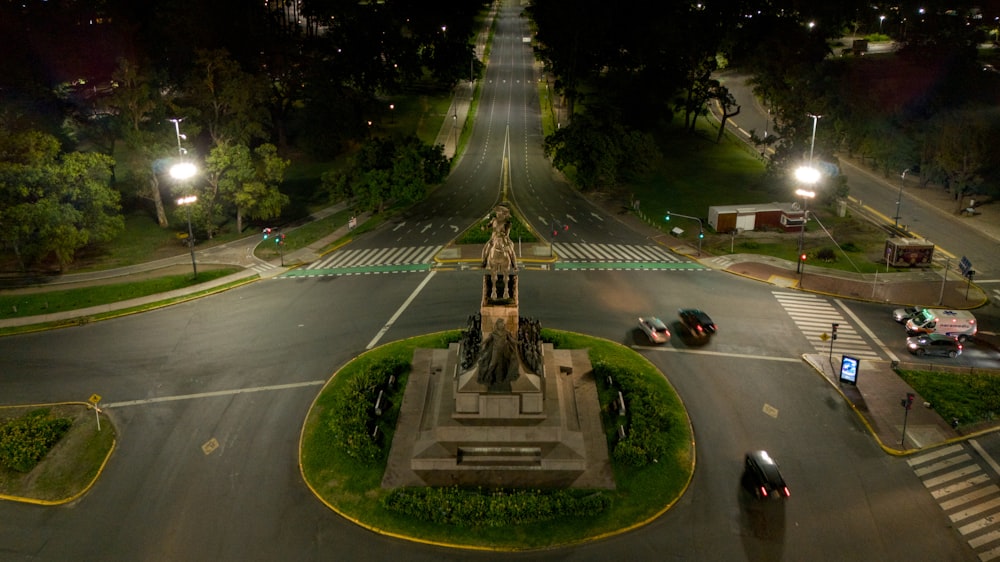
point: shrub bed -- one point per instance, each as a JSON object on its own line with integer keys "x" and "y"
{"x": 493, "y": 508}
{"x": 24, "y": 441}
{"x": 353, "y": 420}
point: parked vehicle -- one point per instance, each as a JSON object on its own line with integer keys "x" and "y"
{"x": 934, "y": 344}
{"x": 698, "y": 323}
{"x": 762, "y": 475}
{"x": 901, "y": 315}
{"x": 655, "y": 329}
{"x": 959, "y": 324}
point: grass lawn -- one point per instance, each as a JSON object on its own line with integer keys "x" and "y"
{"x": 17, "y": 305}
{"x": 71, "y": 466}
{"x": 971, "y": 397}
{"x": 353, "y": 488}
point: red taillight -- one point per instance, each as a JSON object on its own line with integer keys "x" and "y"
{"x": 786, "y": 492}
{"x": 763, "y": 491}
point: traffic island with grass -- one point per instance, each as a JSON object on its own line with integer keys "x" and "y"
{"x": 52, "y": 454}
{"x": 472, "y": 438}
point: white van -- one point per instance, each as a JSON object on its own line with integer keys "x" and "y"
{"x": 959, "y": 324}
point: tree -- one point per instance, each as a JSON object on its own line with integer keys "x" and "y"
{"x": 54, "y": 204}
{"x": 388, "y": 169}
{"x": 962, "y": 148}
{"x": 259, "y": 197}
{"x": 231, "y": 103}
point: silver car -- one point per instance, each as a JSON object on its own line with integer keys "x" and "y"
{"x": 934, "y": 344}
{"x": 655, "y": 329}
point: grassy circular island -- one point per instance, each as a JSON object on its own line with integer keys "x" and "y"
{"x": 343, "y": 452}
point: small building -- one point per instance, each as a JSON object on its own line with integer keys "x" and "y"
{"x": 783, "y": 216}
{"x": 909, "y": 252}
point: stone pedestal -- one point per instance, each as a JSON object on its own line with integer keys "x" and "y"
{"x": 545, "y": 433}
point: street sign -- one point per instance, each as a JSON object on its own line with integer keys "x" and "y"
{"x": 95, "y": 398}
{"x": 965, "y": 265}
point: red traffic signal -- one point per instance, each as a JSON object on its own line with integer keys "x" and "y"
{"x": 802, "y": 257}
{"x": 267, "y": 233}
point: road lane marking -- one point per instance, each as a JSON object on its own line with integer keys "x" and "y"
{"x": 399, "y": 312}
{"x": 861, "y": 325}
{"x": 213, "y": 394}
{"x": 718, "y": 353}
{"x": 986, "y": 457}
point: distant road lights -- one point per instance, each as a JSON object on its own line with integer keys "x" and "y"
{"x": 880, "y": 20}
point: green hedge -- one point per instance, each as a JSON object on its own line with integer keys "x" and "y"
{"x": 26, "y": 440}
{"x": 493, "y": 508}
{"x": 353, "y": 419}
{"x": 648, "y": 419}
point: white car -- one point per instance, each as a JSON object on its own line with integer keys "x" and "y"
{"x": 901, "y": 315}
{"x": 655, "y": 329}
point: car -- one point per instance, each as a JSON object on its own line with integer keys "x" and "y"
{"x": 697, "y": 322}
{"x": 655, "y": 329}
{"x": 763, "y": 476}
{"x": 901, "y": 315}
{"x": 934, "y": 344}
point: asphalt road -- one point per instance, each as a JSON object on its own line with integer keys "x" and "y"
{"x": 953, "y": 239}
{"x": 209, "y": 397}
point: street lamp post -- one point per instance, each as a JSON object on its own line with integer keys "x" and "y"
{"x": 899, "y": 199}
{"x": 187, "y": 202}
{"x": 809, "y": 176}
{"x": 183, "y": 171}
{"x": 812, "y": 142}
{"x": 701, "y": 227}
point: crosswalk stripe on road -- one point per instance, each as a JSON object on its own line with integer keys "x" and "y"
{"x": 579, "y": 251}
{"x": 376, "y": 256}
{"x": 966, "y": 493}
{"x": 815, "y": 316}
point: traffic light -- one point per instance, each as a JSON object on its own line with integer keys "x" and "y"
{"x": 279, "y": 239}
{"x": 908, "y": 401}
{"x": 267, "y": 233}
{"x": 667, "y": 218}
{"x": 834, "y": 330}
{"x": 701, "y": 234}
{"x": 565, "y": 227}
{"x": 802, "y": 257}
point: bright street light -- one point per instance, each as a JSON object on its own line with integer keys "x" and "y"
{"x": 183, "y": 171}
{"x": 807, "y": 175}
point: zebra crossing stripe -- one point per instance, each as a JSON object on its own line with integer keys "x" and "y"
{"x": 613, "y": 252}
{"x": 942, "y": 465}
{"x": 814, "y": 315}
{"x": 934, "y": 455}
{"x": 971, "y": 496}
{"x": 376, "y": 257}
{"x": 960, "y": 486}
{"x": 986, "y": 539}
{"x": 953, "y": 475}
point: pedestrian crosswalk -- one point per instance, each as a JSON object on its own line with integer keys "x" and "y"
{"x": 366, "y": 257}
{"x": 814, "y": 316}
{"x": 966, "y": 492}
{"x": 577, "y": 251}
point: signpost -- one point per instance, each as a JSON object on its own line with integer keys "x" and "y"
{"x": 95, "y": 399}
{"x": 965, "y": 266}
